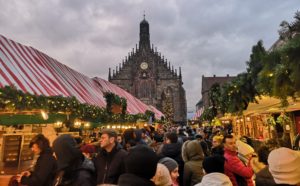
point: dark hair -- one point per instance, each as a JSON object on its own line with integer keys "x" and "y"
{"x": 141, "y": 154}
{"x": 263, "y": 153}
{"x": 144, "y": 131}
{"x": 218, "y": 150}
{"x": 41, "y": 141}
{"x": 110, "y": 132}
{"x": 228, "y": 136}
{"x": 158, "y": 138}
{"x": 128, "y": 135}
{"x": 172, "y": 136}
{"x": 214, "y": 164}
{"x": 78, "y": 140}
{"x": 198, "y": 136}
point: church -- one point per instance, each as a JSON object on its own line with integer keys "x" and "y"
{"x": 147, "y": 75}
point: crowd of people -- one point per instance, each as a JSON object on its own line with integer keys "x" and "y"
{"x": 176, "y": 156}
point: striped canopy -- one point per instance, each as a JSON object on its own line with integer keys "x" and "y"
{"x": 37, "y": 73}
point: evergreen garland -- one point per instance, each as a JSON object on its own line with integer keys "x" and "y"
{"x": 13, "y": 100}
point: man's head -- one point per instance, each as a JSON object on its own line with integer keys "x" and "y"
{"x": 213, "y": 164}
{"x": 141, "y": 161}
{"x": 119, "y": 138}
{"x": 108, "y": 139}
{"x": 171, "y": 137}
{"x": 199, "y": 137}
{"x": 229, "y": 142}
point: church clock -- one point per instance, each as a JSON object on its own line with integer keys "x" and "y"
{"x": 144, "y": 65}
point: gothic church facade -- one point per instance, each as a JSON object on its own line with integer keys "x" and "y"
{"x": 148, "y": 76}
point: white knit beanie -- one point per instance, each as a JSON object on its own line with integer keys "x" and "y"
{"x": 244, "y": 148}
{"x": 284, "y": 165}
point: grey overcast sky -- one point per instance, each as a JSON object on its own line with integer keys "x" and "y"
{"x": 204, "y": 37}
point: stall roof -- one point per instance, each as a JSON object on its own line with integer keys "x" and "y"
{"x": 271, "y": 105}
{"x": 34, "y": 72}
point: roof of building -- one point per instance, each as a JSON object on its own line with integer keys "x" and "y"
{"x": 207, "y": 82}
{"x": 34, "y": 72}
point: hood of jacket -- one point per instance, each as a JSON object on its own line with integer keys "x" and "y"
{"x": 66, "y": 151}
{"x": 191, "y": 150}
{"x": 215, "y": 179}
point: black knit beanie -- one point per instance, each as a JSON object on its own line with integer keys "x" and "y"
{"x": 141, "y": 161}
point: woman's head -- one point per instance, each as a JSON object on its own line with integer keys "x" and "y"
{"x": 217, "y": 140}
{"x": 172, "y": 166}
{"x": 39, "y": 143}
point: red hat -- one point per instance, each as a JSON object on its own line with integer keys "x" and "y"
{"x": 88, "y": 148}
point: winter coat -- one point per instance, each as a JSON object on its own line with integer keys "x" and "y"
{"x": 73, "y": 168}
{"x": 110, "y": 165}
{"x": 44, "y": 170}
{"x": 264, "y": 178}
{"x": 81, "y": 173}
{"x": 192, "y": 156}
{"x": 215, "y": 179}
{"x": 172, "y": 150}
{"x": 235, "y": 167}
{"x": 128, "y": 179}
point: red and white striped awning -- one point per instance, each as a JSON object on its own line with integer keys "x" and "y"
{"x": 35, "y": 72}
{"x": 198, "y": 113}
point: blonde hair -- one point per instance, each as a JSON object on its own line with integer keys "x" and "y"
{"x": 218, "y": 138}
{"x": 162, "y": 176}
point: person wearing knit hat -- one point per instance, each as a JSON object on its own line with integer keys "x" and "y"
{"x": 284, "y": 165}
{"x": 172, "y": 166}
{"x": 140, "y": 167}
{"x": 162, "y": 176}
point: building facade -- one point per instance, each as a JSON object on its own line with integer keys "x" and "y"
{"x": 207, "y": 83}
{"x": 147, "y": 75}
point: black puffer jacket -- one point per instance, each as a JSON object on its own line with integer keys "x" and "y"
{"x": 73, "y": 168}
{"x": 109, "y": 166}
{"x": 44, "y": 170}
{"x": 172, "y": 150}
{"x": 81, "y": 174}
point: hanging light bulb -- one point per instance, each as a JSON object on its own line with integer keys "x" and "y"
{"x": 45, "y": 115}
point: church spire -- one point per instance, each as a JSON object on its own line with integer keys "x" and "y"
{"x": 109, "y": 74}
{"x": 180, "y": 72}
{"x": 144, "y": 34}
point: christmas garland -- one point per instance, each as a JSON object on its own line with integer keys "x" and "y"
{"x": 283, "y": 119}
{"x": 111, "y": 99}
{"x": 271, "y": 120}
{"x": 13, "y": 100}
